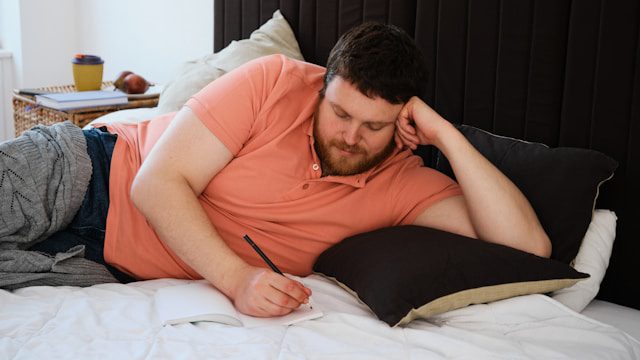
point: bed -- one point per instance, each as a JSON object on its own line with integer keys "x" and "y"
{"x": 517, "y": 70}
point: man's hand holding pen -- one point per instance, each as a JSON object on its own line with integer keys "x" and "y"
{"x": 264, "y": 293}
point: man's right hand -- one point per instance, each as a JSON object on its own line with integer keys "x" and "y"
{"x": 264, "y": 293}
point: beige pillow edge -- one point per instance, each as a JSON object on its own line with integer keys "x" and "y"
{"x": 463, "y": 298}
{"x": 484, "y": 294}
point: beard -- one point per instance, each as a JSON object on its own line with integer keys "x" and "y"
{"x": 336, "y": 165}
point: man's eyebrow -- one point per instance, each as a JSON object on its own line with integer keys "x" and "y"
{"x": 338, "y": 107}
{"x": 380, "y": 123}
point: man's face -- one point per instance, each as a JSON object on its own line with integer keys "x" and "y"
{"x": 352, "y": 132}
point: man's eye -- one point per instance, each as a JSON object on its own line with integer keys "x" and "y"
{"x": 342, "y": 116}
{"x": 375, "y": 127}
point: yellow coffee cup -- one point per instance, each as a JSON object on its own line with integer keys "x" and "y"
{"x": 87, "y": 72}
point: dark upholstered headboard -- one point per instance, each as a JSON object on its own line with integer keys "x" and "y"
{"x": 560, "y": 72}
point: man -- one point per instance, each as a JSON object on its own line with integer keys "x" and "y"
{"x": 298, "y": 157}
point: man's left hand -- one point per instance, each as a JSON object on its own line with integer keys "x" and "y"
{"x": 418, "y": 124}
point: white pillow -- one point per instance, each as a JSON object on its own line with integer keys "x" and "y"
{"x": 593, "y": 259}
{"x": 193, "y": 77}
{"x": 273, "y": 37}
{"x": 127, "y": 116}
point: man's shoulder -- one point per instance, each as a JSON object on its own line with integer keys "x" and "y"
{"x": 405, "y": 166}
{"x": 281, "y": 60}
{"x": 399, "y": 161}
{"x": 289, "y": 68}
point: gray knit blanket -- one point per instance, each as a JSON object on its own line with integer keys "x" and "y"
{"x": 44, "y": 175}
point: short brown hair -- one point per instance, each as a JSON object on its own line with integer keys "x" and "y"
{"x": 380, "y": 60}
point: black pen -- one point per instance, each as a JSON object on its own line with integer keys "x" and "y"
{"x": 267, "y": 260}
{"x": 262, "y": 255}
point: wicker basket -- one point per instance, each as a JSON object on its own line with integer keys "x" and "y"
{"x": 26, "y": 113}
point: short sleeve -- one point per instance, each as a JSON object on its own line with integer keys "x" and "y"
{"x": 229, "y": 105}
{"x": 417, "y": 188}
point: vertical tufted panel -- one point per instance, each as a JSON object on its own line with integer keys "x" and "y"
{"x": 612, "y": 119}
{"x": 481, "y": 63}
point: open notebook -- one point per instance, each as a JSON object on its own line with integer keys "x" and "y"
{"x": 200, "y": 301}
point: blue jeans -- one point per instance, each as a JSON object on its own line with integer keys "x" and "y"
{"x": 88, "y": 226}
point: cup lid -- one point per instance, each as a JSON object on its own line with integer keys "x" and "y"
{"x": 86, "y": 59}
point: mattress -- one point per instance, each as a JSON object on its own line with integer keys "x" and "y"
{"x": 622, "y": 317}
{"x": 116, "y": 321}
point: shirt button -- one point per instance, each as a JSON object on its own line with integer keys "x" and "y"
{"x": 315, "y": 167}
{"x": 305, "y": 186}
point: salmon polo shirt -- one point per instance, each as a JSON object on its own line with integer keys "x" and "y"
{"x": 272, "y": 189}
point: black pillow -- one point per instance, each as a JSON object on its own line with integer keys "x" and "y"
{"x": 560, "y": 183}
{"x": 408, "y": 272}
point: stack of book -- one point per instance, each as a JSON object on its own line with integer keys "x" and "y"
{"x": 81, "y": 99}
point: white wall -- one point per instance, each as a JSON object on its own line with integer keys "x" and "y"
{"x": 48, "y": 41}
{"x": 6, "y": 93}
{"x": 150, "y": 37}
{"x": 9, "y": 39}
{"x": 10, "y": 34}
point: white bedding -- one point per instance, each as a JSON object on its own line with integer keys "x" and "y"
{"x": 119, "y": 321}
{"x": 622, "y": 317}
{"x": 115, "y": 321}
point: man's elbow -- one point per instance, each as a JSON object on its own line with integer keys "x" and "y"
{"x": 542, "y": 246}
{"x": 138, "y": 192}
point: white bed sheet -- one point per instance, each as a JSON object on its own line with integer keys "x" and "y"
{"x": 115, "y": 321}
{"x": 622, "y": 317}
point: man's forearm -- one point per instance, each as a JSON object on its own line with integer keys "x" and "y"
{"x": 179, "y": 220}
{"x": 498, "y": 210}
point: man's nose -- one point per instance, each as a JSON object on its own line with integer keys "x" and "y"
{"x": 352, "y": 134}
